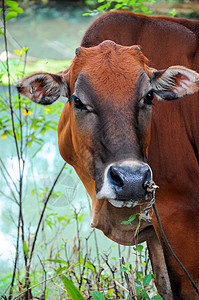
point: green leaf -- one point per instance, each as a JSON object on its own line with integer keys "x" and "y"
{"x": 147, "y": 280}
{"x": 11, "y": 15}
{"x": 11, "y": 3}
{"x": 114, "y": 258}
{"x": 80, "y": 218}
{"x": 72, "y": 290}
{"x": 90, "y": 266}
{"x": 81, "y": 260}
{"x": 110, "y": 292}
{"x": 97, "y": 295}
{"x": 18, "y": 135}
{"x": 138, "y": 283}
{"x": 25, "y": 248}
{"x": 173, "y": 12}
{"x": 125, "y": 222}
{"x": 1, "y": 32}
{"x": 48, "y": 222}
{"x": 24, "y": 50}
{"x": 138, "y": 289}
{"x": 18, "y": 10}
{"x": 144, "y": 9}
{"x": 144, "y": 295}
{"x": 118, "y": 6}
{"x": 57, "y": 261}
{"x": 132, "y": 218}
{"x": 157, "y": 297}
{"x": 139, "y": 248}
{"x": 123, "y": 269}
{"x": 17, "y": 52}
{"x": 61, "y": 270}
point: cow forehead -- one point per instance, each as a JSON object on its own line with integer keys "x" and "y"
{"x": 112, "y": 70}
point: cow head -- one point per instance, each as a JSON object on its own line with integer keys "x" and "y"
{"x": 104, "y": 129}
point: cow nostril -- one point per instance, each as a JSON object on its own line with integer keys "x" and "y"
{"x": 147, "y": 175}
{"x": 115, "y": 177}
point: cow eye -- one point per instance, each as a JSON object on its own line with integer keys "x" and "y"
{"x": 77, "y": 103}
{"x": 149, "y": 98}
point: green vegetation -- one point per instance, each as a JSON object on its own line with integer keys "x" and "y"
{"x": 133, "y": 5}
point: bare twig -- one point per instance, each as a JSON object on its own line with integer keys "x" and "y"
{"x": 121, "y": 286}
{"x": 95, "y": 235}
{"x": 50, "y": 278}
{"x": 98, "y": 277}
{"x": 41, "y": 218}
{"x": 113, "y": 270}
{"x": 9, "y": 83}
{"x": 133, "y": 283}
{"x": 82, "y": 273}
{"x": 128, "y": 282}
{"x": 8, "y": 185}
{"x": 44, "y": 291}
{"x": 7, "y": 173}
{"x": 16, "y": 259}
{"x": 120, "y": 260}
{"x": 59, "y": 286}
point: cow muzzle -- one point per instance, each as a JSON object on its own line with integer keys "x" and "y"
{"x": 124, "y": 183}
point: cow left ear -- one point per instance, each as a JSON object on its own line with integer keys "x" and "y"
{"x": 174, "y": 82}
{"x": 43, "y": 88}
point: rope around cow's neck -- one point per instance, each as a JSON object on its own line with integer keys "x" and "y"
{"x": 151, "y": 189}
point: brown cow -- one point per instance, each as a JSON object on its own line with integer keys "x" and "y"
{"x": 105, "y": 132}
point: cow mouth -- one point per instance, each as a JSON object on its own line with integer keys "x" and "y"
{"x": 123, "y": 203}
{"x": 119, "y": 203}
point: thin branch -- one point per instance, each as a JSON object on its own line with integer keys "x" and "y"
{"x": 16, "y": 259}
{"x": 113, "y": 270}
{"x": 95, "y": 235}
{"x": 9, "y": 83}
{"x": 42, "y": 214}
{"x": 21, "y": 128}
{"x": 133, "y": 283}
{"x": 98, "y": 277}
{"x": 82, "y": 273}
{"x": 6, "y": 196}
{"x": 128, "y": 282}
{"x": 1, "y": 161}
{"x": 121, "y": 286}
{"x": 35, "y": 285}
{"x": 11, "y": 191}
{"x": 119, "y": 253}
{"x": 44, "y": 291}
{"x": 59, "y": 286}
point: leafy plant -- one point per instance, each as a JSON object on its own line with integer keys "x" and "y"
{"x": 112, "y": 5}
{"x": 130, "y": 220}
{"x": 97, "y": 295}
{"x": 73, "y": 292}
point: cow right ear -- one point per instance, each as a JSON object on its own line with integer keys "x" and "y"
{"x": 174, "y": 83}
{"x": 43, "y": 88}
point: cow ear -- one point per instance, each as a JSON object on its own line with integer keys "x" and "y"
{"x": 43, "y": 88}
{"x": 175, "y": 82}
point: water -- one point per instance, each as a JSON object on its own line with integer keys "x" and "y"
{"x": 49, "y": 31}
